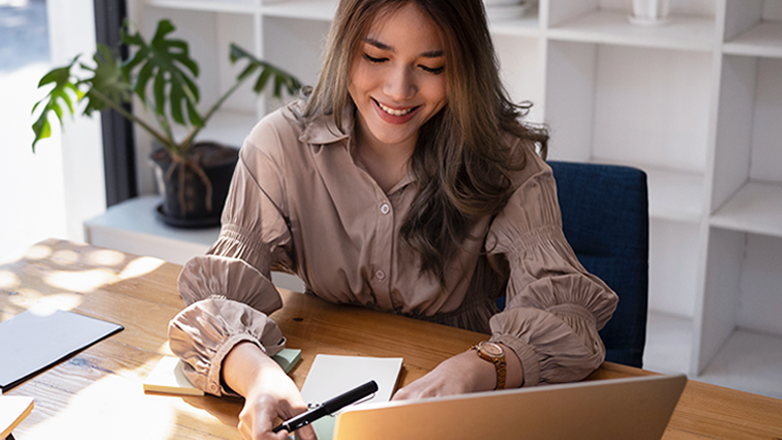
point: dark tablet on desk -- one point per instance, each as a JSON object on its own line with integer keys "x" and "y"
{"x": 40, "y": 337}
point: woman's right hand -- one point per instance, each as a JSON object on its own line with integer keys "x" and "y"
{"x": 270, "y": 394}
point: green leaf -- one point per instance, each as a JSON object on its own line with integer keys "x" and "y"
{"x": 61, "y": 90}
{"x": 277, "y": 86}
{"x": 249, "y": 70}
{"x": 194, "y": 116}
{"x": 79, "y": 94}
{"x": 176, "y": 105}
{"x": 281, "y": 77}
{"x": 107, "y": 80}
{"x": 168, "y": 61}
{"x": 160, "y": 93}
{"x": 141, "y": 81}
{"x": 263, "y": 78}
{"x": 57, "y": 110}
{"x": 63, "y": 95}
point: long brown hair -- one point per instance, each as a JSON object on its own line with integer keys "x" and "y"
{"x": 462, "y": 161}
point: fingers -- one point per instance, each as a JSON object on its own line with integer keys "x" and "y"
{"x": 261, "y": 413}
{"x": 306, "y": 433}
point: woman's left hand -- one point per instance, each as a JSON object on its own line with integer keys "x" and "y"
{"x": 463, "y": 373}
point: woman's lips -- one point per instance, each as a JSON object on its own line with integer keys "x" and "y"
{"x": 395, "y": 116}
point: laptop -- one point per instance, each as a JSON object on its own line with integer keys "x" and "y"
{"x": 636, "y": 408}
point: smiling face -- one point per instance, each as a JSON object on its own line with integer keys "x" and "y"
{"x": 397, "y": 78}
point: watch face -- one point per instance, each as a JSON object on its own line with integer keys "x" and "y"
{"x": 492, "y": 349}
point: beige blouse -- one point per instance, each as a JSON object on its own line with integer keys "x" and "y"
{"x": 300, "y": 203}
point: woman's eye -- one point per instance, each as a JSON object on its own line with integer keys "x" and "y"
{"x": 434, "y": 70}
{"x": 374, "y": 60}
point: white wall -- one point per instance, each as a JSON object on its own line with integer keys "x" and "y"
{"x": 72, "y": 32}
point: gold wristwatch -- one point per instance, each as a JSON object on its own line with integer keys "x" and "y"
{"x": 493, "y": 353}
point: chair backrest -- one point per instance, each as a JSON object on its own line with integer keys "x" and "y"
{"x": 605, "y": 218}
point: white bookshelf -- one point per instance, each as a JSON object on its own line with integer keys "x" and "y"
{"x": 684, "y": 32}
{"x": 317, "y": 10}
{"x": 755, "y": 208}
{"x": 696, "y": 103}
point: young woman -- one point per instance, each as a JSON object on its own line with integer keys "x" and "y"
{"x": 404, "y": 182}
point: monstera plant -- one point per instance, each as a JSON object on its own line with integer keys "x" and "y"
{"x": 163, "y": 76}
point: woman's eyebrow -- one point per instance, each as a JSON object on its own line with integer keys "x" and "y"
{"x": 383, "y": 46}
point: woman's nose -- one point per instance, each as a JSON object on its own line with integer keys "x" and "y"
{"x": 400, "y": 84}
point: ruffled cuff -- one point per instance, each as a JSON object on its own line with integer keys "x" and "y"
{"x": 204, "y": 333}
{"x": 212, "y": 275}
{"x": 530, "y": 365}
{"x": 560, "y": 345}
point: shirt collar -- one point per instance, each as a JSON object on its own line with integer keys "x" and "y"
{"x": 323, "y": 130}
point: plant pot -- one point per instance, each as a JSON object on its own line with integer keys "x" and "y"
{"x": 187, "y": 203}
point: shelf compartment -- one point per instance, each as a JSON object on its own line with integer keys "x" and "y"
{"x": 673, "y": 266}
{"x": 526, "y": 26}
{"x": 235, "y": 6}
{"x": 675, "y": 195}
{"x": 684, "y": 32}
{"x": 763, "y": 40}
{"x": 740, "y": 299}
{"x": 322, "y": 10}
{"x": 668, "y": 343}
{"x": 756, "y": 207}
{"x": 749, "y": 362}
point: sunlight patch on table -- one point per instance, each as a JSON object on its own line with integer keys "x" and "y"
{"x": 9, "y": 280}
{"x": 105, "y": 257}
{"x": 38, "y": 252}
{"x": 65, "y": 257}
{"x": 95, "y": 413}
{"x": 83, "y": 281}
{"x": 25, "y": 298}
{"x": 61, "y": 301}
{"x": 140, "y": 266}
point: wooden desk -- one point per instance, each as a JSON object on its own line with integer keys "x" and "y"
{"x": 98, "y": 393}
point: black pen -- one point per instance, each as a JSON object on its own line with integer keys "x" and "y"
{"x": 328, "y": 407}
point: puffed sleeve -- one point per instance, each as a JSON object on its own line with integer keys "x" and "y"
{"x": 228, "y": 291}
{"x": 554, "y": 306}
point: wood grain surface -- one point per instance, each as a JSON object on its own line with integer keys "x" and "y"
{"x": 98, "y": 392}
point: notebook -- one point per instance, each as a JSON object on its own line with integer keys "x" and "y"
{"x": 636, "y": 408}
{"x": 40, "y": 337}
{"x": 13, "y": 409}
{"x": 331, "y": 375}
{"x": 169, "y": 377}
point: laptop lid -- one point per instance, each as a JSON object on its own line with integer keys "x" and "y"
{"x": 630, "y": 408}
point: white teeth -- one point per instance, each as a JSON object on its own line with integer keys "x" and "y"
{"x": 393, "y": 112}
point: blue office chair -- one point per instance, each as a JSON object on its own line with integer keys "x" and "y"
{"x": 606, "y": 221}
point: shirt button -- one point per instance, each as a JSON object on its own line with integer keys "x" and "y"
{"x": 384, "y": 208}
{"x": 380, "y": 275}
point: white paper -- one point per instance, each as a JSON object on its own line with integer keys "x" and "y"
{"x": 332, "y": 375}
